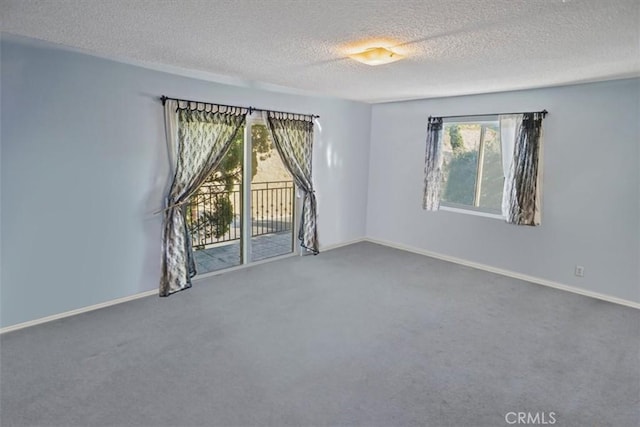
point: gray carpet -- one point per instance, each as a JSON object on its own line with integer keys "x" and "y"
{"x": 359, "y": 336}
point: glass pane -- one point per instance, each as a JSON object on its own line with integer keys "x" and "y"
{"x": 272, "y": 198}
{"x": 460, "y": 162}
{"x": 214, "y": 213}
{"x": 492, "y": 175}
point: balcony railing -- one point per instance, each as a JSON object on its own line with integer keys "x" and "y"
{"x": 214, "y": 214}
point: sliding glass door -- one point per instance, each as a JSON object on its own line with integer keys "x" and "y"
{"x": 272, "y": 198}
{"x": 245, "y": 211}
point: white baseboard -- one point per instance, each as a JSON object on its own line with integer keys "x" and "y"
{"x": 339, "y": 245}
{"x": 152, "y": 292}
{"x": 76, "y": 311}
{"x": 508, "y": 273}
{"x": 419, "y": 251}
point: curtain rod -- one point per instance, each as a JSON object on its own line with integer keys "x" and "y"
{"x": 251, "y": 109}
{"x": 543, "y": 112}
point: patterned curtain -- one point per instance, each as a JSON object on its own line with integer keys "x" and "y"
{"x": 508, "y": 127}
{"x": 523, "y": 184}
{"x": 433, "y": 165}
{"x": 204, "y": 134}
{"x": 293, "y": 138}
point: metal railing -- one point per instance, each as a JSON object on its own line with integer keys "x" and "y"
{"x": 271, "y": 207}
{"x": 214, "y": 213}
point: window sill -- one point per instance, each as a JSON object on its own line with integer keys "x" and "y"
{"x": 471, "y": 212}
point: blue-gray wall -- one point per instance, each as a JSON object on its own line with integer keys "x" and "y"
{"x": 84, "y": 164}
{"x": 591, "y": 199}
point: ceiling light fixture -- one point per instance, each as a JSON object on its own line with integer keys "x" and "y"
{"x": 376, "y": 56}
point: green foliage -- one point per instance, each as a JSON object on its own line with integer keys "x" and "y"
{"x": 212, "y": 223}
{"x": 230, "y": 170}
{"x": 457, "y": 143}
{"x": 260, "y": 138}
{"x": 216, "y": 222}
{"x": 461, "y": 172}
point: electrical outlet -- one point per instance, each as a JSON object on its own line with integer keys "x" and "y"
{"x": 579, "y": 271}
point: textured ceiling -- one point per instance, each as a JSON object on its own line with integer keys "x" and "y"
{"x": 453, "y": 47}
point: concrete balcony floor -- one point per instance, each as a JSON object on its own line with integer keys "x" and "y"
{"x": 227, "y": 254}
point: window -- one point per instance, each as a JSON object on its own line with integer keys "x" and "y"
{"x": 472, "y": 173}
